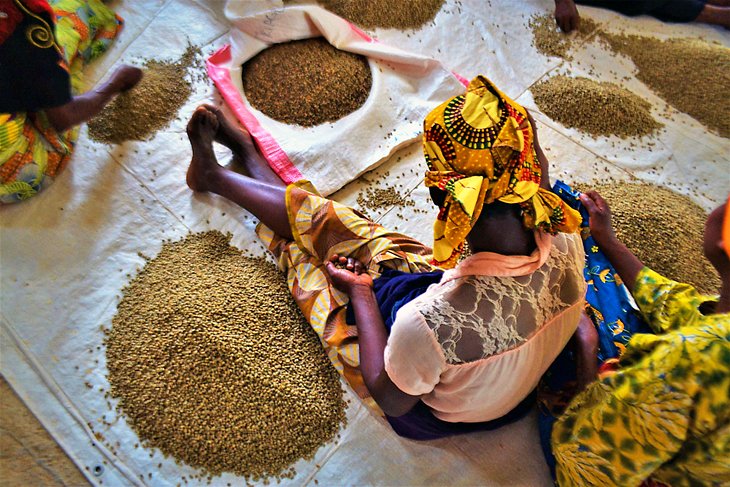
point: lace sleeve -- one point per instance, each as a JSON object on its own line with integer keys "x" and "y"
{"x": 413, "y": 358}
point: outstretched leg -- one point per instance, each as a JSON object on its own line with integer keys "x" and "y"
{"x": 83, "y": 107}
{"x": 715, "y": 13}
{"x": 265, "y": 200}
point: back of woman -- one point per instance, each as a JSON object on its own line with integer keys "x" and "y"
{"x": 476, "y": 343}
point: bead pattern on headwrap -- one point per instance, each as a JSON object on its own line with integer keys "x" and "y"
{"x": 479, "y": 148}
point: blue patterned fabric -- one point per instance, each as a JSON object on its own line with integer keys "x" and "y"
{"x": 608, "y": 305}
{"x": 608, "y": 302}
{"x": 393, "y": 289}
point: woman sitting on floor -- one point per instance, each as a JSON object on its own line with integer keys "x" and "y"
{"x": 442, "y": 348}
{"x": 661, "y": 414}
{"x": 705, "y": 11}
{"x": 43, "y": 49}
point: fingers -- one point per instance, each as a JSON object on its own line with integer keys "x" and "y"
{"x": 568, "y": 24}
{"x": 567, "y": 21}
{"x": 355, "y": 266}
{"x": 339, "y": 261}
{"x": 349, "y": 263}
{"x": 334, "y": 264}
{"x": 589, "y": 202}
{"x": 594, "y": 202}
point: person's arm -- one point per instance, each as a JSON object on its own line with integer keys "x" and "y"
{"x": 83, "y": 107}
{"x": 623, "y": 260}
{"x": 354, "y": 280}
{"x": 566, "y": 15}
{"x": 654, "y": 294}
{"x": 541, "y": 158}
{"x": 586, "y": 351}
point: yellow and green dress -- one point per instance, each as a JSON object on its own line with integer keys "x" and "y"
{"x": 43, "y": 48}
{"x": 664, "y": 415}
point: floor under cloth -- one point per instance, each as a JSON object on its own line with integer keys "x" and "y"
{"x": 65, "y": 254}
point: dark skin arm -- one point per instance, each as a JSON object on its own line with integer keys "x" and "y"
{"x": 623, "y": 260}
{"x": 566, "y": 15}
{"x": 541, "y": 158}
{"x": 626, "y": 264}
{"x": 82, "y": 108}
{"x": 351, "y": 277}
{"x": 586, "y": 350}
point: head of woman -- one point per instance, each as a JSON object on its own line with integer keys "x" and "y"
{"x": 479, "y": 151}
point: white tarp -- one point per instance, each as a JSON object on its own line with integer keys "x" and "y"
{"x": 65, "y": 254}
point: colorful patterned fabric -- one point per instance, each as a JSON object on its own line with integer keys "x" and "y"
{"x": 479, "y": 149}
{"x": 34, "y": 76}
{"x": 322, "y": 227}
{"x": 665, "y": 414}
{"x": 13, "y": 13}
{"x": 608, "y": 304}
{"x": 84, "y": 29}
{"x": 32, "y": 153}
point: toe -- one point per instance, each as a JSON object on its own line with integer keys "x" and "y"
{"x": 196, "y": 120}
{"x": 211, "y": 108}
{"x": 211, "y": 120}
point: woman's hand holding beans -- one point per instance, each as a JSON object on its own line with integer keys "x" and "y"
{"x": 348, "y": 273}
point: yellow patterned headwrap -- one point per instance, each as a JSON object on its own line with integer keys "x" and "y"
{"x": 478, "y": 148}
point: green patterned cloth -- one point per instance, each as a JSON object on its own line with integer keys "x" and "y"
{"x": 32, "y": 153}
{"x": 665, "y": 414}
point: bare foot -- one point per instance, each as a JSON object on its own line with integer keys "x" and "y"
{"x": 229, "y": 133}
{"x": 202, "y": 129}
{"x": 245, "y": 152}
{"x": 124, "y": 78}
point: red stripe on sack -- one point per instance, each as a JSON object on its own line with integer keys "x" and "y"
{"x": 271, "y": 150}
